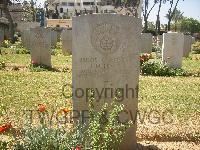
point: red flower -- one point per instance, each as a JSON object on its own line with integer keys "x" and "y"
{"x": 65, "y": 110}
{"x": 110, "y": 130}
{"x": 33, "y": 62}
{"x": 78, "y": 148}
{"x": 5, "y": 127}
{"x": 41, "y": 107}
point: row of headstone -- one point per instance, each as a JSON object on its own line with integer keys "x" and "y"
{"x": 174, "y": 47}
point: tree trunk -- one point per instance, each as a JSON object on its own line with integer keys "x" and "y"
{"x": 145, "y": 24}
{"x": 158, "y": 18}
{"x": 169, "y": 25}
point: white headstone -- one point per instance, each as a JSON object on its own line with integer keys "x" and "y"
{"x": 172, "y": 50}
{"x": 146, "y": 43}
{"x": 105, "y": 50}
{"x": 41, "y": 46}
{"x": 66, "y": 37}
{"x": 187, "y": 45}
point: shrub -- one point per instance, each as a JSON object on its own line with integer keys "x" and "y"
{"x": 156, "y": 68}
{"x": 196, "y": 47}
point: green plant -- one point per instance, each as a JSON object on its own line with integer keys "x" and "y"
{"x": 157, "y": 49}
{"x": 196, "y": 47}
{"x": 21, "y": 51}
{"x": 155, "y": 67}
{"x": 6, "y": 44}
{"x": 102, "y": 131}
{"x": 35, "y": 67}
{"x": 2, "y": 65}
{"x": 106, "y": 132}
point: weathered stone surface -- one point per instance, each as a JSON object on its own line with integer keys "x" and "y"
{"x": 146, "y": 43}
{"x": 172, "y": 50}
{"x": 105, "y": 50}
{"x": 40, "y": 47}
{"x": 66, "y": 37}
{"x": 25, "y": 37}
{"x": 187, "y": 45}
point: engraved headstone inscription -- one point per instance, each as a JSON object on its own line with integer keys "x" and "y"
{"x": 105, "y": 50}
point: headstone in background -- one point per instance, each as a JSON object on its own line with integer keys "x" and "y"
{"x": 25, "y": 37}
{"x": 172, "y": 49}
{"x": 105, "y": 50}
{"x": 187, "y": 45}
{"x": 66, "y": 38}
{"x": 40, "y": 47}
{"x": 146, "y": 43}
{"x": 53, "y": 38}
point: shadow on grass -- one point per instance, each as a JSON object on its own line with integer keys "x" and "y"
{"x": 148, "y": 147}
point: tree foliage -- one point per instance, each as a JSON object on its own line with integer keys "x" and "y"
{"x": 189, "y": 25}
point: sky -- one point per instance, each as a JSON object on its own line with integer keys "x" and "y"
{"x": 191, "y": 8}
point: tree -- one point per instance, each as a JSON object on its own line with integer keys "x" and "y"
{"x": 29, "y": 8}
{"x": 158, "y": 15}
{"x": 189, "y": 25}
{"x": 178, "y": 15}
{"x": 147, "y": 11}
{"x": 171, "y": 12}
{"x": 131, "y": 6}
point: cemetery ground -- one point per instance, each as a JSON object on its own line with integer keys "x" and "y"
{"x": 169, "y": 107}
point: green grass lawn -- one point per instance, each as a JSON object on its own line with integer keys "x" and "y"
{"x": 179, "y": 95}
